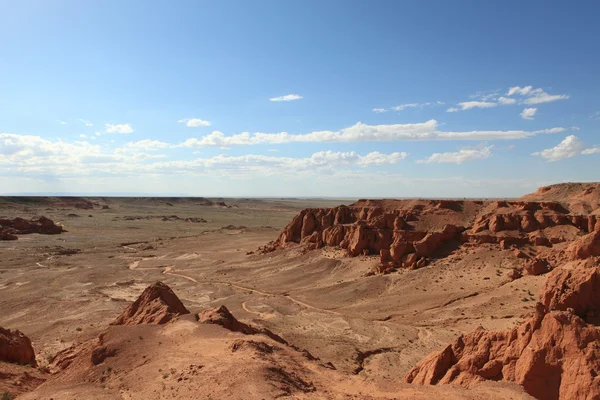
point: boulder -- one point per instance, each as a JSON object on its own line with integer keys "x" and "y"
{"x": 15, "y": 347}
{"x": 536, "y": 266}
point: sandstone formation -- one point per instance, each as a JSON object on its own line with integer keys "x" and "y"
{"x": 15, "y": 347}
{"x": 586, "y": 246}
{"x": 575, "y": 287}
{"x": 156, "y": 305}
{"x": 406, "y": 233}
{"x": 554, "y": 355}
{"x": 579, "y": 197}
{"x": 9, "y": 228}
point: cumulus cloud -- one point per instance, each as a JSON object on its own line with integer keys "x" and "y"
{"x": 118, "y": 128}
{"x": 459, "y": 157}
{"x": 361, "y": 133}
{"x": 194, "y": 122}
{"x": 287, "y": 97}
{"x": 467, "y": 105}
{"x": 569, "y": 147}
{"x": 528, "y": 113}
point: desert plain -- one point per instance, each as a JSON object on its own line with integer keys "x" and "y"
{"x": 302, "y": 298}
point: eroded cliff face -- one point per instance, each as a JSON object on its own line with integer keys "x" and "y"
{"x": 406, "y": 233}
{"x": 554, "y": 355}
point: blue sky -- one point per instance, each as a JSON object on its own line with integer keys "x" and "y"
{"x": 298, "y": 98}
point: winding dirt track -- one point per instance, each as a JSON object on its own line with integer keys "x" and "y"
{"x": 167, "y": 270}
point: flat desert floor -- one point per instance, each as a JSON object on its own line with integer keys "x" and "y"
{"x": 65, "y": 289}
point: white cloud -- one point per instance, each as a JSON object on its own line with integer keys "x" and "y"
{"x": 62, "y": 122}
{"x": 287, "y": 97}
{"x": 402, "y": 107}
{"x": 575, "y": 128}
{"x": 194, "y": 122}
{"x": 86, "y": 122}
{"x": 595, "y": 116}
{"x": 489, "y": 99}
{"x": 568, "y": 148}
{"x": 543, "y": 97}
{"x": 146, "y": 144}
{"x": 528, "y": 113}
{"x": 523, "y": 91}
{"x": 467, "y": 105}
{"x": 506, "y": 100}
{"x": 83, "y": 136}
{"x": 459, "y": 157}
{"x": 118, "y": 128}
{"x": 360, "y": 133}
{"x": 535, "y": 96}
{"x": 35, "y": 156}
{"x": 273, "y": 150}
{"x": 591, "y": 150}
{"x": 485, "y": 95}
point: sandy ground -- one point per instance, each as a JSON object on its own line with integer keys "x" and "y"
{"x": 373, "y": 329}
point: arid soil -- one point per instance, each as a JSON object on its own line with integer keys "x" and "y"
{"x": 319, "y": 301}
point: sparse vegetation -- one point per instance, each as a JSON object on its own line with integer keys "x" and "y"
{"x": 6, "y": 396}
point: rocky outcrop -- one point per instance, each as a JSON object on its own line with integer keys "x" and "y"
{"x": 407, "y": 233}
{"x": 554, "y": 355}
{"x": 574, "y": 287}
{"x": 222, "y": 316}
{"x": 15, "y": 347}
{"x": 369, "y": 230}
{"x": 157, "y": 305}
{"x": 586, "y": 246}
{"x": 9, "y": 228}
{"x": 576, "y": 196}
